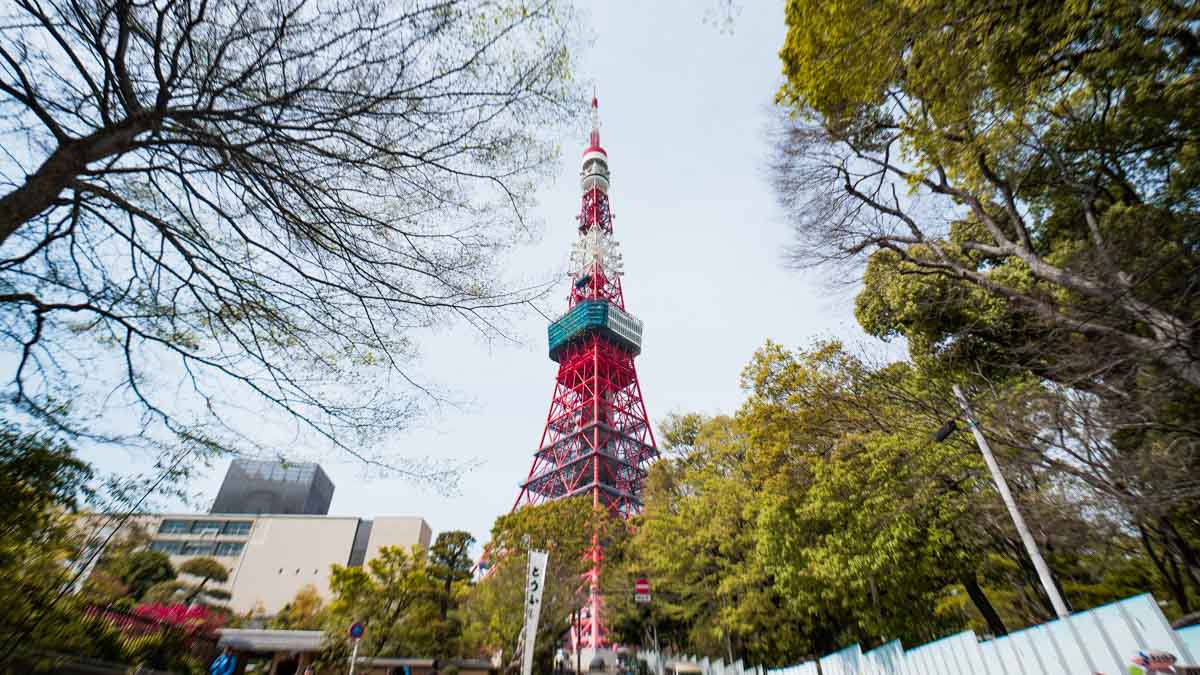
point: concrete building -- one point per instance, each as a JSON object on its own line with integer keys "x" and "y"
{"x": 271, "y": 557}
{"x": 253, "y": 486}
{"x": 269, "y": 529}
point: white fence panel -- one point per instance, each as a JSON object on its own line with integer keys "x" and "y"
{"x": 1190, "y": 638}
{"x": 1101, "y": 640}
{"x": 994, "y": 661}
{"x": 884, "y": 660}
{"x": 1069, "y": 640}
{"x": 847, "y": 661}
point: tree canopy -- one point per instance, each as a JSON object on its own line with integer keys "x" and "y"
{"x": 127, "y": 570}
{"x": 209, "y": 206}
{"x": 493, "y": 613}
{"x": 1029, "y": 172}
{"x": 306, "y": 611}
{"x": 824, "y": 512}
{"x": 394, "y": 596}
{"x": 451, "y": 565}
{"x": 1019, "y": 187}
{"x": 197, "y": 590}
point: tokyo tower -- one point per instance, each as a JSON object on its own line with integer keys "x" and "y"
{"x": 597, "y": 440}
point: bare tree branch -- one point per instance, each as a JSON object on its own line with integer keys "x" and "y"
{"x": 268, "y": 198}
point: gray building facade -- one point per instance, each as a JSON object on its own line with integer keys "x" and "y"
{"x": 259, "y": 487}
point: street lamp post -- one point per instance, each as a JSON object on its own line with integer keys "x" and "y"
{"x": 1039, "y": 563}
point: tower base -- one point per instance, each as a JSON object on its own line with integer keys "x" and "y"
{"x": 589, "y": 655}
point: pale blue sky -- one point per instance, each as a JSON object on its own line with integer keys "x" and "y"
{"x": 684, "y": 108}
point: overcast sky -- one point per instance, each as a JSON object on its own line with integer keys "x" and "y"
{"x": 683, "y": 107}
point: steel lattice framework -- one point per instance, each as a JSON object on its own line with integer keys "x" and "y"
{"x": 597, "y": 440}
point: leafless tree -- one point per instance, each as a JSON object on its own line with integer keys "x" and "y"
{"x": 1151, "y": 483}
{"x": 265, "y": 197}
{"x": 851, "y": 193}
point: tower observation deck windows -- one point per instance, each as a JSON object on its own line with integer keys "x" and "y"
{"x": 596, "y": 315}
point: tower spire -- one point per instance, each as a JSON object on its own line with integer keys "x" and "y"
{"x": 593, "y": 181}
{"x": 595, "y": 136}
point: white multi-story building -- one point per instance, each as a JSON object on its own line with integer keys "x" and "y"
{"x": 268, "y": 526}
{"x": 271, "y": 557}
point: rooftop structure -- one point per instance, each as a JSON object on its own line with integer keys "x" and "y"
{"x": 254, "y": 486}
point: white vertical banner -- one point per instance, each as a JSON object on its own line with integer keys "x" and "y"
{"x": 535, "y": 583}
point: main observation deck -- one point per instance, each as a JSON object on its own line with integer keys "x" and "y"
{"x": 599, "y": 316}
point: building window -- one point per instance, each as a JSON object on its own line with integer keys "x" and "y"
{"x": 175, "y": 527}
{"x": 238, "y": 528}
{"x": 198, "y": 548}
{"x": 229, "y": 548}
{"x": 168, "y": 547}
{"x": 206, "y": 527}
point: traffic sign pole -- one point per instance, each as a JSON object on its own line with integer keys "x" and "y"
{"x": 356, "y": 632}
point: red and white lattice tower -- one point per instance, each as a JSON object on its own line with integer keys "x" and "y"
{"x": 597, "y": 441}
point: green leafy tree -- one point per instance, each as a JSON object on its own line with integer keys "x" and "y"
{"x": 696, "y": 542}
{"x": 41, "y": 557}
{"x": 878, "y": 519}
{"x": 450, "y": 564}
{"x": 204, "y": 570}
{"x": 492, "y": 613}
{"x": 1061, "y": 134}
{"x": 42, "y": 482}
{"x": 127, "y": 570}
{"x": 39, "y": 478}
{"x": 1021, "y": 182}
{"x": 823, "y": 512}
{"x": 394, "y": 595}
{"x": 144, "y": 568}
{"x": 306, "y": 611}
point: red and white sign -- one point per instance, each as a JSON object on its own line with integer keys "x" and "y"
{"x": 641, "y": 590}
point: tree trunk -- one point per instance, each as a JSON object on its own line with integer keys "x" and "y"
{"x": 1173, "y": 582}
{"x": 1186, "y": 553}
{"x": 196, "y": 591}
{"x": 41, "y": 190}
{"x": 983, "y": 604}
{"x": 444, "y": 608}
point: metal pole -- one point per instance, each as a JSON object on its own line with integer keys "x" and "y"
{"x": 354, "y": 656}
{"x": 1031, "y": 548}
{"x": 658, "y": 659}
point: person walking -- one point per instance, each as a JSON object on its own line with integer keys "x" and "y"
{"x": 225, "y": 664}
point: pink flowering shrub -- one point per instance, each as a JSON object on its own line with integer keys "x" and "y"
{"x": 194, "y": 618}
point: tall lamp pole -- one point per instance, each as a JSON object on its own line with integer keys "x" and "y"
{"x": 1031, "y": 547}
